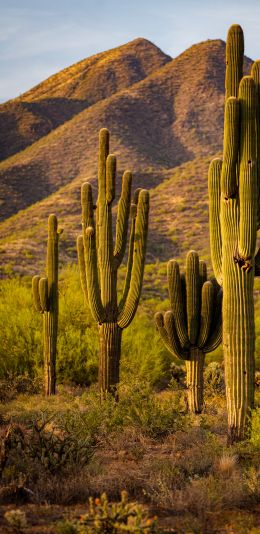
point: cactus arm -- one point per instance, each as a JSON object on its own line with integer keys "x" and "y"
{"x": 36, "y": 294}
{"x": 159, "y": 322}
{"x": 110, "y": 178}
{"x": 173, "y": 337}
{"x": 133, "y": 213}
{"x": 52, "y": 262}
{"x": 130, "y": 259}
{"x": 169, "y": 342}
{"x": 234, "y": 60}
{"x": 215, "y": 334}
{"x": 176, "y": 300}
{"x": 103, "y": 151}
{"x": 94, "y": 297}
{"x": 255, "y": 73}
{"x": 82, "y": 267}
{"x": 215, "y": 340}
{"x": 43, "y": 292}
{"x": 89, "y": 240}
{"x": 231, "y": 146}
{"x": 207, "y": 301}
{"x": 247, "y": 170}
{"x": 203, "y": 272}
{"x": 214, "y": 187}
{"x": 102, "y": 159}
{"x": 140, "y": 238}
{"x": 193, "y": 295}
{"x": 123, "y": 211}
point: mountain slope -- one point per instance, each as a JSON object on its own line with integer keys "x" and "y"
{"x": 178, "y": 219}
{"x": 27, "y": 118}
{"x": 165, "y": 128}
{"x": 156, "y": 123}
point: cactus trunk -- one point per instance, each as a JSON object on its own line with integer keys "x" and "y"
{"x": 194, "y": 380}
{"x": 50, "y": 343}
{"x": 110, "y": 335}
{"x": 238, "y": 347}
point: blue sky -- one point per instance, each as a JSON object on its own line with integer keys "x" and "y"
{"x": 39, "y": 38}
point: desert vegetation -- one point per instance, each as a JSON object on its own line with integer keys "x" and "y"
{"x": 155, "y": 430}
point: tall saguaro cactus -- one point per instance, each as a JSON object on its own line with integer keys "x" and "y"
{"x": 234, "y": 197}
{"x": 45, "y": 296}
{"x": 99, "y": 259}
{"x": 193, "y": 326}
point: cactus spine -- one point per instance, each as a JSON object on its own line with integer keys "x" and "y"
{"x": 45, "y": 296}
{"x": 99, "y": 259}
{"x": 233, "y": 194}
{"x": 193, "y": 327}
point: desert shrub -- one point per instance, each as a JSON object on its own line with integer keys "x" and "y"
{"x": 214, "y": 382}
{"x": 21, "y": 333}
{"x": 13, "y": 385}
{"x": 162, "y": 479}
{"x": 111, "y": 518}
{"x": 16, "y": 519}
{"x": 77, "y": 360}
{"x": 155, "y": 416}
{"x": 78, "y": 343}
{"x": 11, "y": 438}
{"x": 143, "y": 354}
{"x": 139, "y": 407}
{"x": 58, "y": 442}
{"x": 52, "y": 443}
{"x": 178, "y": 376}
{"x": 255, "y": 433}
{"x": 20, "y": 336}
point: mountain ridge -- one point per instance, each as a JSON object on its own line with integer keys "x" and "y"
{"x": 64, "y": 94}
{"x": 165, "y": 127}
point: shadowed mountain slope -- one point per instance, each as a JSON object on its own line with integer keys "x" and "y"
{"x": 172, "y": 116}
{"x": 165, "y": 128}
{"x": 35, "y": 113}
{"x": 178, "y": 219}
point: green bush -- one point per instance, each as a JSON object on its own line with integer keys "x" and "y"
{"x": 143, "y": 355}
{"x": 20, "y": 334}
{"x": 111, "y": 518}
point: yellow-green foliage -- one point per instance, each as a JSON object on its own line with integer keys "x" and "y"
{"x": 104, "y": 516}
{"x": 20, "y": 333}
{"x": 143, "y": 355}
{"x": 77, "y": 354}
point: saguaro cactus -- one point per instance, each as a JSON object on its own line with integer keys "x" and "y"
{"x": 45, "y": 296}
{"x": 99, "y": 259}
{"x": 233, "y": 195}
{"x": 193, "y": 326}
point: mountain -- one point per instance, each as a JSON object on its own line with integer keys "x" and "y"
{"x": 166, "y": 124}
{"x": 35, "y": 113}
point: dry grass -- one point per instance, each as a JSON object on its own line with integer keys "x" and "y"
{"x": 186, "y": 476}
